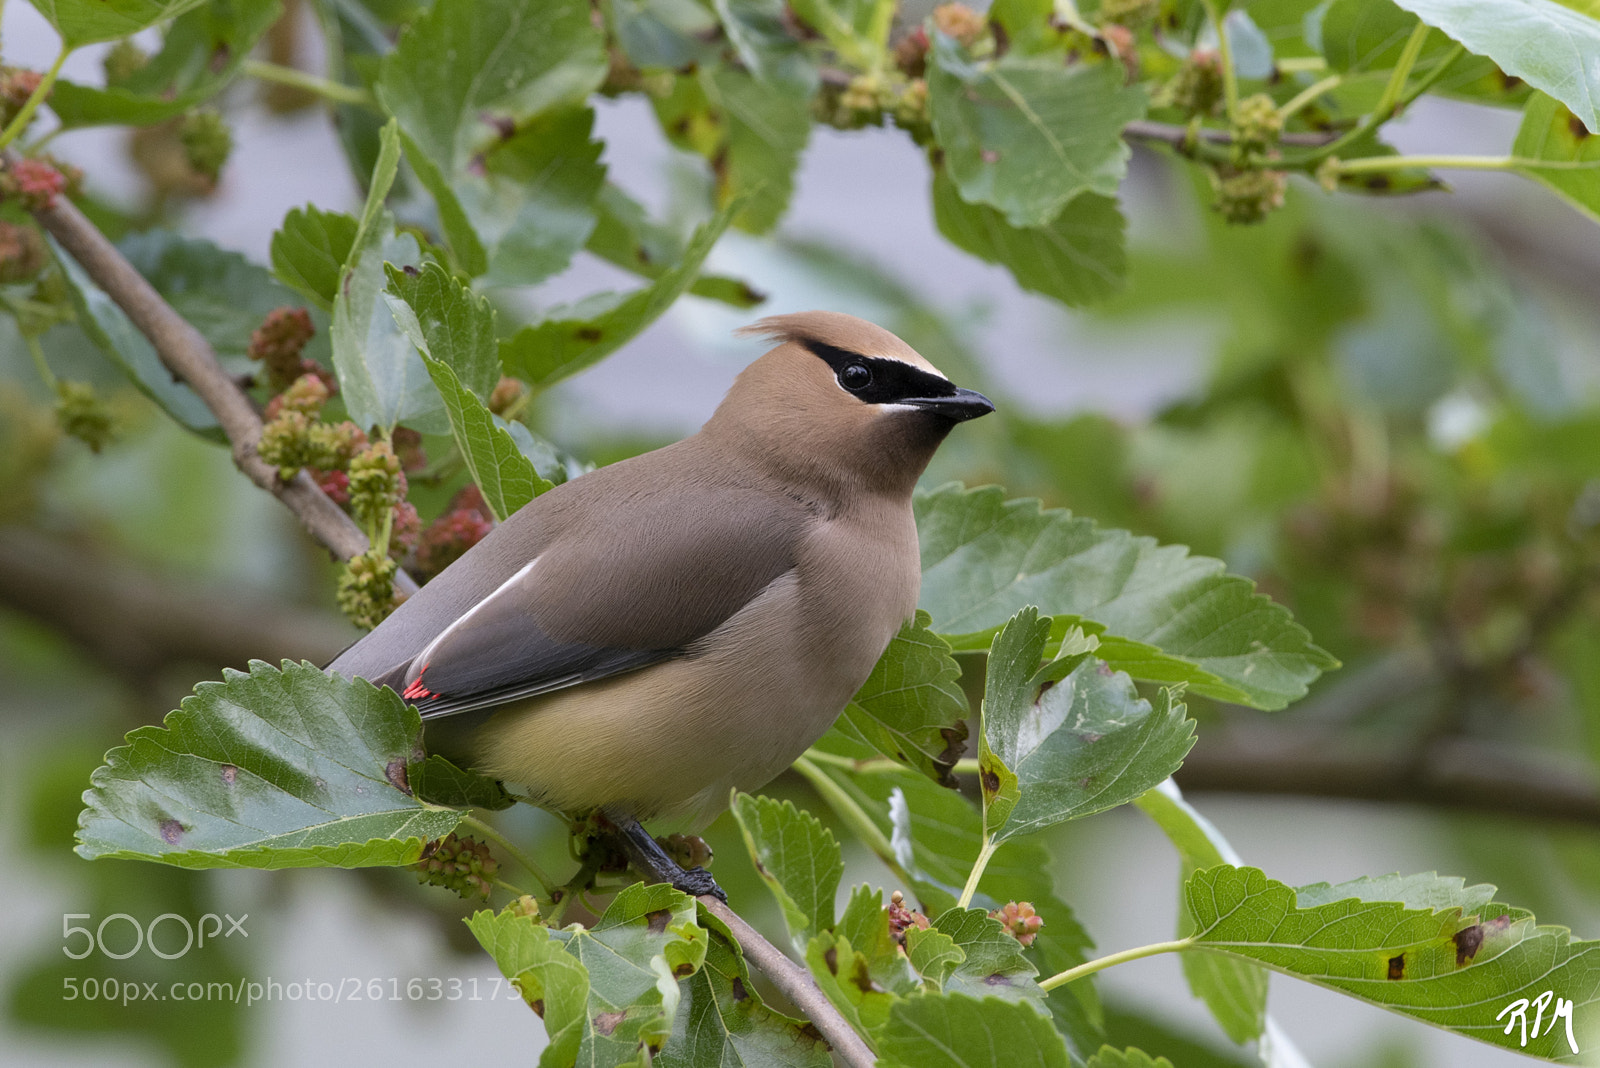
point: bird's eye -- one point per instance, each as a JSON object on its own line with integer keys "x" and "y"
{"x": 855, "y": 377}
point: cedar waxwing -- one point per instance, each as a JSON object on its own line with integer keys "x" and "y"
{"x": 645, "y": 637}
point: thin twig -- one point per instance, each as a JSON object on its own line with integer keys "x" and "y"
{"x": 796, "y": 984}
{"x": 1178, "y": 136}
{"x": 792, "y": 981}
{"x": 189, "y": 356}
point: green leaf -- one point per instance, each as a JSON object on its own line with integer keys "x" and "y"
{"x": 796, "y": 856}
{"x": 115, "y": 335}
{"x": 625, "y": 236}
{"x": 1235, "y": 991}
{"x": 1552, "y": 46}
{"x": 956, "y": 1031}
{"x": 219, "y": 292}
{"x": 984, "y": 557}
{"x": 382, "y": 378}
{"x": 531, "y": 197}
{"x": 81, "y": 22}
{"x": 994, "y": 964}
{"x": 751, "y": 132}
{"x": 1078, "y": 257}
{"x": 200, "y": 54}
{"x": 911, "y": 708}
{"x": 286, "y": 768}
{"x": 309, "y": 252}
{"x": 1423, "y": 945}
{"x": 512, "y": 188}
{"x": 1551, "y": 132}
{"x": 934, "y": 833}
{"x": 554, "y": 983}
{"x": 722, "y": 1020}
{"x": 554, "y": 349}
{"x": 1027, "y": 135}
{"x": 845, "y": 978}
{"x": 1078, "y": 745}
{"x": 1109, "y": 1057}
{"x": 933, "y": 954}
{"x": 384, "y": 170}
{"x": 635, "y": 955}
{"x": 449, "y": 323}
{"x": 439, "y": 782}
{"x": 502, "y": 470}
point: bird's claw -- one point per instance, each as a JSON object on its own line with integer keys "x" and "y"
{"x": 698, "y": 881}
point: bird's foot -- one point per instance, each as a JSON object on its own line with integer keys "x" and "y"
{"x": 647, "y": 856}
{"x": 698, "y": 881}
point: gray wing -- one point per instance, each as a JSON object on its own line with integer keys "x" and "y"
{"x": 624, "y": 586}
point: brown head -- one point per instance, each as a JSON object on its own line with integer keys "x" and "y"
{"x": 840, "y": 405}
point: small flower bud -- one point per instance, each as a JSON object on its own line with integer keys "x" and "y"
{"x": 526, "y": 905}
{"x": 408, "y": 446}
{"x": 911, "y": 109}
{"x": 405, "y": 530}
{"x": 16, "y": 87}
{"x": 336, "y": 484}
{"x": 82, "y": 414}
{"x": 33, "y": 182}
{"x": 1328, "y": 174}
{"x": 465, "y": 522}
{"x": 22, "y": 252}
{"x": 1020, "y": 921}
{"x": 278, "y": 342}
{"x": 305, "y": 394}
{"x": 506, "y": 392}
{"x": 960, "y": 22}
{"x": 911, "y": 53}
{"x": 902, "y": 919}
{"x": 366, "y": 589}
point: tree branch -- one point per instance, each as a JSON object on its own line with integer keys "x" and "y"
{"x": 792, "y": 981}
{"x": 1457, "y": 773}
{"x": 1178, "y": 136}
{"x": 189, "y": 356}
{"x": 139, "y": 623}
{"x": 796, "y": 984}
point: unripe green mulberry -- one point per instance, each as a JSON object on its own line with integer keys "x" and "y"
{"x": 82, "y": 413}
{"x": 366, "y": 588}
{"x": 207, "y": 142}
{"x": 461, "y": 864}
{"x": 376, "y": 486}
{"x": 286, "y": 442}
{"x": 1249, "y": 196}
{"x": 124, "y": 61}
{"x": 1257, "y": 125}
{"x": 1197, "y": 87}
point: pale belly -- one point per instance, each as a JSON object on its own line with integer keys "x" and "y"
{"x": 670, "y": 741}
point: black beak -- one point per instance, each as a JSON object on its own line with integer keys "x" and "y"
{"x": 960, "y": 406}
